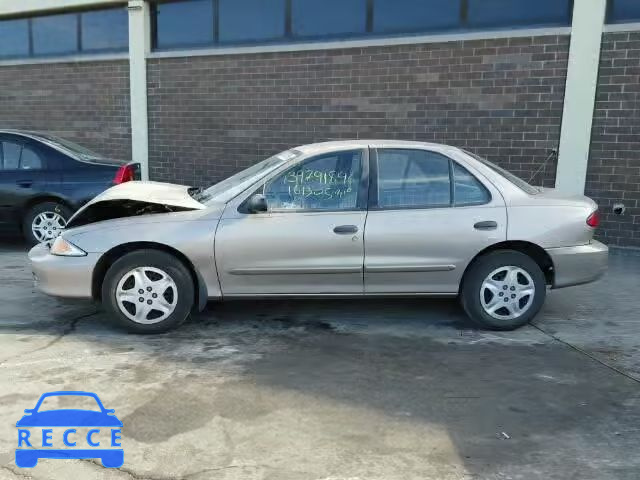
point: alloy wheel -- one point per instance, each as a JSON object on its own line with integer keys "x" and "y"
{"x": 146, "y": 295}
{"x": 507, "y": 293}
{"x": 47, "y": 226}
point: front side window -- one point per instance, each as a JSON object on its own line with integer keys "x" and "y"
{"x": 326, "y": 182}
{"x": 413, "y": 179}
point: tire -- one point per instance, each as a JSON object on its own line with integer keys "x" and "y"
{"x": 155, "y": 273}
{"x": 508, "y": 275}
{"x": 52, "y": 210}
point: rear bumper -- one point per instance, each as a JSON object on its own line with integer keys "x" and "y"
{"x": 579, "y": 264}
{"x": 62, "y": 276}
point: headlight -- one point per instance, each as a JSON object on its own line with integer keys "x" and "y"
{"x": 65, "y": 248}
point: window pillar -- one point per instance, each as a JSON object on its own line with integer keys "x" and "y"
{"x": 139, "y": 47}
{"x": 580, "y": 94}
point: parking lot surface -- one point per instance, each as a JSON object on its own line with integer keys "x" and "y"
{"x": 348, "y": 389}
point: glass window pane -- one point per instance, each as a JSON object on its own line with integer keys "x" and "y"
{"x": 468, "y": 189}
{"x": 55, "y": 34}
{"x": 412, "y": 178}
{"x": 11, "y": 155}
{"x": 30, "y": 160}
{"x": 328, "y": 17}
{"x": 495, "y": 13}
{"x": 251, "y": 20}
{"x": 415, "y": 15}
{"x": 327, "y": 182}
{"x": 105, "y": 30}
{"x": 625, "y": 11}
{"x": 184, "y": 23}
{"x": 14, "y": 38}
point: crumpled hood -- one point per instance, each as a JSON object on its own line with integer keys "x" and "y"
{"x": 136, "y": 198}
{"x": 153, "y": 192}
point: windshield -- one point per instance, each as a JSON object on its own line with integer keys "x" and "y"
{"x": 518, "y": 182}
{"x": 70, "y": 146}
{"x": 228, "y": 188}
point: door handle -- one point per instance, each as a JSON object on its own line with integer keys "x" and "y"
{"x": 24, "y": 183}
{"x": 486, "y": 225}
{"x": 345, "y": 229}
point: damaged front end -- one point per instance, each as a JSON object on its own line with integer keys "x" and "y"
{"x": 134, "y": 199}
{"x": 111, "y": 209}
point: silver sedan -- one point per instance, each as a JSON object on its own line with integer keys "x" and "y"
{"x": 352, "y": 218}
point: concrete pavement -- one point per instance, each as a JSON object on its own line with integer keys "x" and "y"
{"x": 380, "y": 389}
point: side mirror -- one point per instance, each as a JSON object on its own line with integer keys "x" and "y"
{"x": 28, "y": 410}
{"x": 257, "y": 203}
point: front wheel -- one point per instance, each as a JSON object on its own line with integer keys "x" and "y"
{"x": 503, "y": 290}
{"x": 148, "y": 291}
{"x": 45, "y": 221}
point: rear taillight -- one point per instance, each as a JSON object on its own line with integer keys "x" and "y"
{"x": 125, "y": 173}
{"x": 593, "y": 220}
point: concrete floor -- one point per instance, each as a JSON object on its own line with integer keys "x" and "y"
{"x": 393, "y": 389}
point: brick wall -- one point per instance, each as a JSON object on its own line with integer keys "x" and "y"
{"x": 87, "y": 102}
{"x": 613, "y": 174}
{"x": 213, "y": 115}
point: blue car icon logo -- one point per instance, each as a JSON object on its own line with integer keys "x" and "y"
{"x": 41, "y": 431}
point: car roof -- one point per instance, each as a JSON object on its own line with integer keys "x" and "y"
{"x": 24, "y": 133}
{"x": 322, "y": 147}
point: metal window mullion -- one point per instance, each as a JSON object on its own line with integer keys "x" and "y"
{"x": 79, "y": 32}
{"x": 30, "y": 35}
{"x": 608, "y": 18}
{"x": 369, "y": 18}
{"x": 216, "y": 21}
{"x": 288, "y": 29}
{"x": 464, "y": 13}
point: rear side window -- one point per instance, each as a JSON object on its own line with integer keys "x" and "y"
{"x": 467, "y": 189}
{"x": 30, "y": 159}
{"x": 413, "y": 179}
{"x": 15, "y": 156}
{"x": 10, "y": 155}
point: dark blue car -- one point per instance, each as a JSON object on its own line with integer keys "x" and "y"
{"x": 44, "y": 179}
{"x": 27, "y": 455}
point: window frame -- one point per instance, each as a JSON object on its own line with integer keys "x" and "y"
{"x": 362, "y": 185}
{"x": 373, "y": 203}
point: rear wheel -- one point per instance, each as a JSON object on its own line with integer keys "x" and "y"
{"x": 45, "y": 221}
{"x": 148, "y": 291}
{"x": 503, "y": 290}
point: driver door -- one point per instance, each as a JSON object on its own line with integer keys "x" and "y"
{"x": 310, "y": 240}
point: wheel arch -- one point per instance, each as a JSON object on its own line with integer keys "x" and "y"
{"x": 107, "y": 259}
{"x": 33, "y": 201}
{"x": 535, "y": 252}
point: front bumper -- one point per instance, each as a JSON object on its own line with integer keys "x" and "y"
{"x": 579, "y": 264}
{"x": 62, "y": 276}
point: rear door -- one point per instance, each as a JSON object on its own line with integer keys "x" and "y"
{"x": 23, "y": 174}
{"x": 428, "y": 217}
